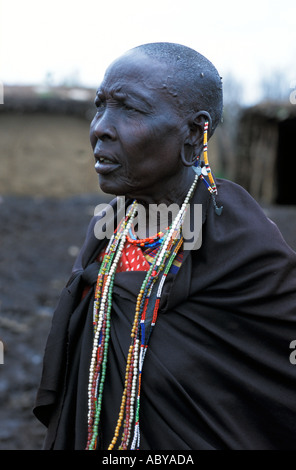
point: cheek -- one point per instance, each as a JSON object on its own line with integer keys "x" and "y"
{"x": 92, "y": 137}
{"x": 149, "y": 141}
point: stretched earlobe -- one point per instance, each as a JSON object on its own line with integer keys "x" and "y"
{"x": 188, "y": 158}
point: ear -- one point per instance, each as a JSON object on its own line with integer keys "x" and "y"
{"x": 193, "y": 144}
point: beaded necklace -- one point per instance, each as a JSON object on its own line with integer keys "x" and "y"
{"x": 144, "y": 242}
{"x": 146, "y": 312}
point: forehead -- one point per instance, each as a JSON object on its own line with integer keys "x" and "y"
{"x": 141, "y": 74}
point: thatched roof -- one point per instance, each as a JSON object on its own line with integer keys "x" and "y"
{"x": 56, "y": 100}
{"x": 271, "y": 110}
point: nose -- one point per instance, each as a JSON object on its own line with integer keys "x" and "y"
{"x": 102, "y": 127}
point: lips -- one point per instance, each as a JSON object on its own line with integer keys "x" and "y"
{"x": 105, "y": 164}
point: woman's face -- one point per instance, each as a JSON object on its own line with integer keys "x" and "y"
{"x": 137, "y": 133}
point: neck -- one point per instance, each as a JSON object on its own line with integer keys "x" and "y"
{"x": 155, "y": 214}
{"x": 167, "y": 193}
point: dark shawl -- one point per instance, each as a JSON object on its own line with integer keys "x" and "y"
{"x": 217, "y": 373}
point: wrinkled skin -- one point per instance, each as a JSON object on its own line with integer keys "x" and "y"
{"x": 143, "y": 143}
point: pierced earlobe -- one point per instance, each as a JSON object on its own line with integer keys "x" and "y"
{"x": 185, "y": 160}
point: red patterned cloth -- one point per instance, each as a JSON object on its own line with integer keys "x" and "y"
{"x": 133, "y": 258}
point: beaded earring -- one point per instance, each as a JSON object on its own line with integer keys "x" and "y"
{"x": 202, "y": 169}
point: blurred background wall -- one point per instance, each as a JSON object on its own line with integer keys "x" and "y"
{"x": 44, "y": 142}
{"x": 45, "y": 149}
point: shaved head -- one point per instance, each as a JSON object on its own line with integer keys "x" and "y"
{"x": 193, "y": 77}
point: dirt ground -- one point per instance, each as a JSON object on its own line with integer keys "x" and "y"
{"x": 40, "y": 238}
{"x": 39, "y": 241}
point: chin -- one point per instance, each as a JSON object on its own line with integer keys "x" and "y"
{"x": 121, "y": 188}
{"x": 110, "y": 187}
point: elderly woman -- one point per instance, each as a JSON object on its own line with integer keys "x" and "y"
{"x": 159, "y": 343}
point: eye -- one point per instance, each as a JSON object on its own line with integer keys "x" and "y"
{"x": 130, "y": 108}
{"x": 100, "y": 104}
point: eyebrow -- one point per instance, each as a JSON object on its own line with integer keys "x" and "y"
{"x": 122, "y": 96}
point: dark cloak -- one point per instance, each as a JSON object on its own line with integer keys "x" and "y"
{"x": 217, "y": 373}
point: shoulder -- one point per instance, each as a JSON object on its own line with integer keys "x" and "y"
{"x": 243, "y": 251}
{"x": 241, "y": 211}
{"x": 243, "y": 230}
{"x": 235, "y": 196}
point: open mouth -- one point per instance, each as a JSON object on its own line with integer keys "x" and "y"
{"x": 105, "y": 165}
{"x": 104, "y": 160}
